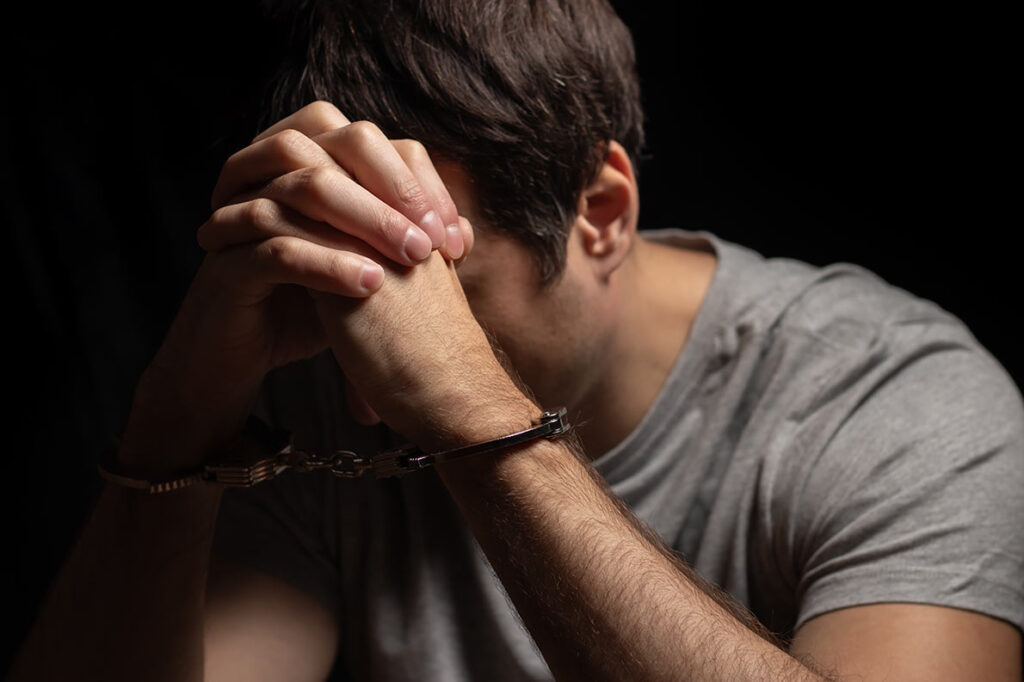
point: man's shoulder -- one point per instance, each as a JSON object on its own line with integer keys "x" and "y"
{"x": 871, "y": 418}
{"x": 792, "y": 337}
{"x": 846, "y": 339}
{"x": 840, "y": 303}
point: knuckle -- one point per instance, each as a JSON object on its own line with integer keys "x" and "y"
{"x": 409, "y": 192}
{"x": 364, "y": 132}
{"x": 391, "y": 225}
{"x": 414, "y": 149}
{"x": 316, "y": 182}
{"x": 325, "y": 114}
{"x": 321, "y": 106}
{"x": 324, "y": 106}
{"x": 447, "y": 206}
{"x": 277, "y": 251}
{"x": 262, "y": 214}
{"x": 232, "y": 160}
{"x": 290, "y": 144}
{"x": 207, "y": 233}
{"x": 338, "y": 268}
{"x": 216, "y": 219}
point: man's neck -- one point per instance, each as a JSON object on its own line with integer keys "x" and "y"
{"x": 661, "y": 289}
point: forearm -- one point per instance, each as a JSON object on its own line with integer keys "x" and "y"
{"x": 128, "y": 603}
{"x": 603, "y": 599}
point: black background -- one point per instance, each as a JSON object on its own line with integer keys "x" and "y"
{"x": 874, "y": 133}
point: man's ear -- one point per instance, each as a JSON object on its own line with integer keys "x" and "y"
{"x": 606, "y": 215}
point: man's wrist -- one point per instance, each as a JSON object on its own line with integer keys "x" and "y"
{"x": 485, "y": 418}
{"x": 497, "y": 420}
{"x": 513, "y": 470}
{"x": 168, "y": 429}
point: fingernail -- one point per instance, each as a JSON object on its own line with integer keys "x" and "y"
{"x": 454, "y": 240}
{"x": 371, "y": 277}
{"x": 417, "y": 245}
{"x": 431, "y": 224}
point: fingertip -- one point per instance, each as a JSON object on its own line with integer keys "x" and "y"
{"x": 417, "y": 246}
{"x": 371, "y": 277}
{"x": 468, "y": 240}
{"x": 454, "y": 243}
{"x": 431, "y": 224}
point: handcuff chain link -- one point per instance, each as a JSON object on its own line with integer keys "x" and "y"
{"x": 348, "y": 464}
{"x": 342, "y": 463}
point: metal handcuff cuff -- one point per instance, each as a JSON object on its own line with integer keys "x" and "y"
{"x": 262, "y": 453}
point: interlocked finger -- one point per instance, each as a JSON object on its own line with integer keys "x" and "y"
{"x": 458, "y": 233}
{"x": 324, "y": 169}
{"x": 363, "y": 150}
{"x": 328, "y": 196}
{"x": 249, "y": 169}
{"x": 253, "y": 270}
{"x": 260, "y": 219}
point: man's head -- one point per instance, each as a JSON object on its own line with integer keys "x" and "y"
{"x": 523, "y": 95}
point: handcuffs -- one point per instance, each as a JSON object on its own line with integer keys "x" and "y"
{"x": 262, "y": 453}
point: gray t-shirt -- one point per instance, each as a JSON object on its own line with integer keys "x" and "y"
{"x": 825, "y": 440}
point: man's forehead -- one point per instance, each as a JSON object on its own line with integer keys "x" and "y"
{"x": 497, "y": 260}
{"x": 498, "y": 265}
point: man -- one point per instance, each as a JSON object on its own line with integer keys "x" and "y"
{"x": 842, "y": 458}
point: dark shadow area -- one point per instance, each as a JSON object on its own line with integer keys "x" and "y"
{"x": 871, "y": 135}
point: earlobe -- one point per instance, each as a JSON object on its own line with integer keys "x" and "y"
{"x": 607, "y": 212}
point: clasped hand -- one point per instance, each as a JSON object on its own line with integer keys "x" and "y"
{"x": 326, "y": 233}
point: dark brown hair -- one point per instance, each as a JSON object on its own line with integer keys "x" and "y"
{"x": 524, "y": 95}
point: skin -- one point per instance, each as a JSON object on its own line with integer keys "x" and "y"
{"x": 555, "y": 535}
{"x": 613, "y": 285}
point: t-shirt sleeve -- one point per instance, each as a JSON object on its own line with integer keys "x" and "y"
{"x": 288, "y": 527}
{"x": 283, "y": 528}
{"x": 914, "y": 491}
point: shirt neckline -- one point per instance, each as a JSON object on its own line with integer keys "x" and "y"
{"x": 623, "y": 458}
